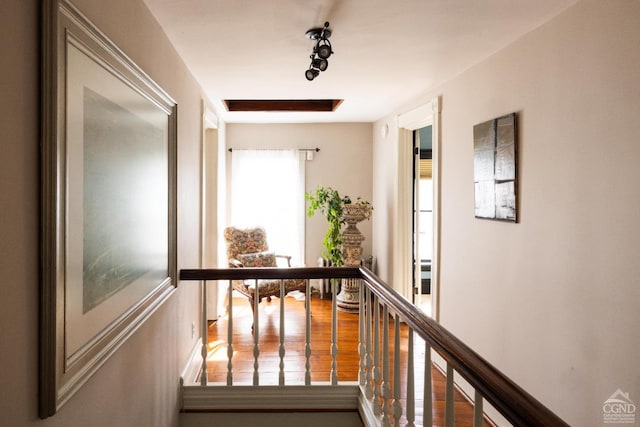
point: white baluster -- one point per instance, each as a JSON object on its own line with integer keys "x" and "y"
{"x": 361, "y": 336}
{"x": 377, "y": 372}
{"x": 427, "y": 394}
{"x": 477, "y": 409}
{"x": 385, "y": 387}
{"x": 203, "y": 350}
{"x": 230, "y": 336}
{"x": 368, "y": 391}
{"x": 281, "y": 350}
{"x": 256, "y": 335}
{"x": 334, "y": 333}
{"x": 411, "y": 401}
{"x": 397, "y": 405}
{"x": 449, "y": 415}
{"x": 307, "y": 346}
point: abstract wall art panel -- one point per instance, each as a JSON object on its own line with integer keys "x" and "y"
{"x": 495, "y": 168}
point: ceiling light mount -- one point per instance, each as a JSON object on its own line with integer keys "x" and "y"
{"x": 319, "y": 32}
{"x": 321, "y": 51}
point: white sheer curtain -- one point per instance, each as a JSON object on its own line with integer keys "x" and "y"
{"x": 267, "y": 190}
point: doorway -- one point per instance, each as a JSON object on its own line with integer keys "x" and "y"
{"x": 422, "y": 216}
{"x": 409, "y": 270}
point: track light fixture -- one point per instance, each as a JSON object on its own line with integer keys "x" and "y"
{"x": 311, "y": 74}
{"x": 319, "y": 63}
{"x": 321, "y": 51}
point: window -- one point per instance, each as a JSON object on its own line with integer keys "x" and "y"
{"x": 267, "y": 190}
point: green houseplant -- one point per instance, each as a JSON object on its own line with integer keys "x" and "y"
{"x": 331, "y": 204}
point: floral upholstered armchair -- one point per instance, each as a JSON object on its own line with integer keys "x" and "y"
{"x": 248, "y": 248}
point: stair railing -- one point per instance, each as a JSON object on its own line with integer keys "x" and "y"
{"x": 382, "y": 401}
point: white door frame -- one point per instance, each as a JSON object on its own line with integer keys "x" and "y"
{"x": 207, "y": 191}
{"x": 425, "y": 115}
{"x": 213, "y": 294}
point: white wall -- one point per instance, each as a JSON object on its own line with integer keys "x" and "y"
{"x": 385, "y": 160}
{"x": 551, "y": 301}
{"x": 138, "y": 386}
{"x": 343, "y": 163}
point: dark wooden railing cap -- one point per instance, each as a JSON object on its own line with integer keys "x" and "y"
{"x": 271, "y": 273}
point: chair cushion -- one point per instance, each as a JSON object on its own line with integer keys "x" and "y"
{"x": 258, "y": 259}
{"x": 269, "y": 287}
{"x": 246, "y": 241}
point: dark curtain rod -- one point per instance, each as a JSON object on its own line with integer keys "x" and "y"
{"x": 276, "y": 149}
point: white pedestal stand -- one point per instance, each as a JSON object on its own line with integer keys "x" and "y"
{"x": 349, "y": 297}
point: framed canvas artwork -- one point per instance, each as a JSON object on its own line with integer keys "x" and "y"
{"x": 108, "y": 222}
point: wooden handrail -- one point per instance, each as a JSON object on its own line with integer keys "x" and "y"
{"x": 514, "y": 403}
{"x": 271, "y": 273}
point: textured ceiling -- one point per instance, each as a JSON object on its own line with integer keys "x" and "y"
{"x": 386, "y": 52}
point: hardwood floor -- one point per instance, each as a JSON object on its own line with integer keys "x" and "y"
{"x": 320, "y": 360}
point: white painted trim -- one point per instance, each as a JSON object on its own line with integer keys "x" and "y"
{"x": 425, "y": 115}
{"x": 191, "y": 371}
{"x": 365, "y": 408}
{"x": 417, "y": 118}
{"x": 436, "y": 106}
{"x": 256, "y": 398}
{"x": 210, "y": 119}
{"x": 203, "y": 200}
{"x": 349, "y": 396}
{"x": 209, "y": 214}
{"x": 402, "y": 224}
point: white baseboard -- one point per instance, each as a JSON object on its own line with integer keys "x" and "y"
{"x": 191, "y": 371}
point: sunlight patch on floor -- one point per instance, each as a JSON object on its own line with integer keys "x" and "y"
{"x": 217, "y": 351}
